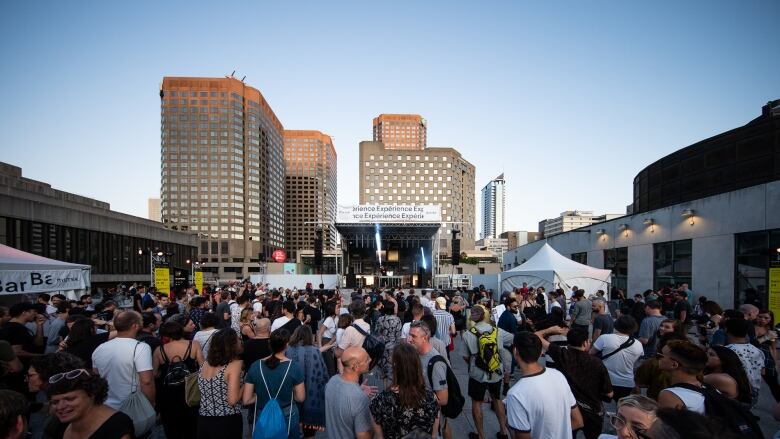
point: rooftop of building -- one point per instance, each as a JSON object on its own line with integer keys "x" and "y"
{"x": 398, "y": 117}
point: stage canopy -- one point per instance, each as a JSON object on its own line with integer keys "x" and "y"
{"x": 362, "y": 235}
{"x": 25, "y": 273}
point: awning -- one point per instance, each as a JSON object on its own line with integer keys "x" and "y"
{"x": 25, "y": 273}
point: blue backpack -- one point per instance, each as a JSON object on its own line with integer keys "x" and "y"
{"x": 270, "y": 424}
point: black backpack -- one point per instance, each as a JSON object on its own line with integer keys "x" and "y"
{"x": 372, "y": 345}
{"x": 455, "y": 399}
{"x": 731, "y": 413}
{"x": 177, "y": 369}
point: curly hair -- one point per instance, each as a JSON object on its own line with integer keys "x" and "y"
{"x": 54, "y": 363}
{"x": 93, "y": 385}
{"x": 223, "y": 348}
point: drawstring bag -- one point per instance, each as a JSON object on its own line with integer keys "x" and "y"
{"x": 137, "y": 406}
{"x": 270, "y": 422}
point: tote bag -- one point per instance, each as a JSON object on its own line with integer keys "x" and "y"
{"x": 137, "y": 406}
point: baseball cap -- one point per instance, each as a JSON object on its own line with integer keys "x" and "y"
{"x": 441, "y": 302}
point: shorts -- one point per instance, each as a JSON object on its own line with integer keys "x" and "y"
{"x": 477, "y": 390}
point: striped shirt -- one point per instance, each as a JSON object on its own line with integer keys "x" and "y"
{"x": 443, "y": 322}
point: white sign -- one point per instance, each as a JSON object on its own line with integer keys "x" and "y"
{"x": 380, "y": 213}
{"x": 42, "y": 281}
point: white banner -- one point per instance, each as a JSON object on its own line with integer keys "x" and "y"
{"x": 380, "y": 213}
{"x": 42, "y": 281}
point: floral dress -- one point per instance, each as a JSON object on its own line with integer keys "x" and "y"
{"x": 397, "y": 421}
{"x": 388, "y": 331}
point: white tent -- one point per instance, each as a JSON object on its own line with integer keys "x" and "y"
{"x": 549, "y": 269}
{"x": 26, "y": 273}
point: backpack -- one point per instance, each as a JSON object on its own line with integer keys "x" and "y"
{"x": 177, "y": 369}
{"x": 734, "y": 416}
{"x": 270, "y": 422}
{"x": 455, "y": 399}
{"x": 488, "y": 357}
{"x": 372, "y": 345}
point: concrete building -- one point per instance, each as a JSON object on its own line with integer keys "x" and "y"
{"x": 401, "y": 131}
{"x": 570, "y": 220}
{"x": 222, "y": 173}
{"x": 497, "y": 246}
{"x": 722, "y": 244}
{"x": 493, "y": 207}
{"x": 310, "y": 190}
{"x": 36, "y": 218}
{"x": 153, "y": 209}
{"x": 518, "y": 238}
{"x": 427, "y": 176}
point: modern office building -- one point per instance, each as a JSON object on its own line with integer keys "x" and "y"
{"x": 572, "y": 219}
{"x": 426, "y": 176}
{"x": 310, "y": 190}
{"x": 38, "y": 219}
{"x": 222, "y": 174}
{"x": 153, "y": 210}
{"x": 518, "y": 238}
{"x": 401, "y": 131}
{"x": 724, "y": 242}
{"x": 497, "y": 246}
{"x": 493, "y": 207}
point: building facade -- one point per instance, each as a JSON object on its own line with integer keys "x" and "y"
{"x": 222, "y": 174}
{"x": 497, "y": 246}
{"x": 310, "y": 190}
{"x": 518, "y": 238}
{"x": 153, "y": 209}
{"x": 725, "y": 245}
{"x": 428, "y": 176}
{"x": 38, "y": 219}
{"x": 493, "y": 207}
{"x": 401, "y": 131}
{"x": 570, "y": 220}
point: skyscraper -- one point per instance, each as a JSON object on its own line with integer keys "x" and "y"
{"x": 425, "y": 176}
{"x": 310, "y": 189}
{"x": 222, "y": 173}
{"x": 153, "y": 208}
{"x": 401, "y": 131}
{"x": 493, "y": 207}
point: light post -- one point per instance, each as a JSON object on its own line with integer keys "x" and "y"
{"x": 193, "y": 266}
{"x": 157, "y": 256}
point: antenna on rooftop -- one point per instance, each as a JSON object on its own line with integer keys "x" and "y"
{"x": 242, "y": 79}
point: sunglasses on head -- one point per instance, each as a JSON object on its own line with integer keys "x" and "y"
{"x": 70, "y": 375}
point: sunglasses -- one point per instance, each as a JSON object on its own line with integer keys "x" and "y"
{"x": 70, "y": 375}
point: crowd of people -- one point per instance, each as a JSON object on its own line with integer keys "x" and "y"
{"x": 248, "y": 360}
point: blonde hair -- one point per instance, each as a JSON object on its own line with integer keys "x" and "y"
{"x": 639, "y": 402}
{"x": 245, "y": 314}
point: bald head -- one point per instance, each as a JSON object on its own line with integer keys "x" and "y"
{"x": 263, "y": 326}
{"x": 125, "y": 320}
{"x": 749, "y": 311}
{"x": 353, "y": 355}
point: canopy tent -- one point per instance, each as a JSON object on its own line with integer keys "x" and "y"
{"x": 26, "y": 273}
{"x": 549, "y": 269}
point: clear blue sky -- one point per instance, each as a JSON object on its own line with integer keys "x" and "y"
{"x": 569, "y": 99}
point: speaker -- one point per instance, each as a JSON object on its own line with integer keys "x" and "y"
{"x": 455, "y": 251}
{"x": 351, "y": 280}
{"x": 422, "y": 278}
{"x": 318, "y": 252}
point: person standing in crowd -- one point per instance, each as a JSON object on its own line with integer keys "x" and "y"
{"x": 437, "y": 344}
{"x": 485, "y": 376}
{"x": 280, "y": 378}
{"x": 766, "y": 341}
{"x": 508, "y": 319}
{"x": 682, "y": 308}
{"x": 259, "y": 346}
{"x": 83, "y": 340}
{"x": 219, "y": 382}
{"x": 13, "y": 414}
{"x": 417, "y": 312}
{"x": 587, "y": 377}
{"x": 541, "y": 405}
{"x": 304, "y": 353}
{"x": 312, "y": 313}
{"x": 603, "y": 323}
{"x": 458, "y": 311}
{"x": 25, "y": 344}
{"x": 635, "y": 415}
{"x": 724, "y": 371}
{"x": 197, "y": 310}
{"x": 208, "y": 326}
{"x": 388, "y": 331}
{"x": 327, "y": 331}
{"x": 56, "y": 324}
{"x": 751, "y": 357}
{"x": 420, "y": 338}
{"x": 222, "y": 309}
{"x": 445, "y": 323}
{"x": 288, "y": 310}
{"x": 620, "y": 353}
{"x": 347, "y": 407}
{"x": 408, "y": 404}
{"x": 648, "y": 330}
{"x": 116, "y": 360}
{"x": 77, "y": 399}
{"x": 583, "y": 309}
{"x": 178, "y": 419}
{"x": 352, "y": 337}
{"x": 147, "y": 334}
{"x": 684, "y": 361}
{"x": 649, "y": 375}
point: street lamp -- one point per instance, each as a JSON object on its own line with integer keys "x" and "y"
{"x": 193, "y": 266}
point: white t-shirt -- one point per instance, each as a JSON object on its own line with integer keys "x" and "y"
{"x": 330, "y": 327}
{"x": 405, "y": 330}
{"x": 204, "y": 340}
{"x": 497, "y": 311}
{"x": 257, "y": 306}
{"x": 752, "y": 360}
{"x": 540, "y": 404}
{"x": 621, "y": 365}
{"x": 693, "y": 401}
{"x": 279, "y": 322}
{"x": 114, "y": 361}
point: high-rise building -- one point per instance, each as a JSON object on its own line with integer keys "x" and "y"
{"x": 493, "y": 207}
{"x": 310, "y": 190}
{"x": 425, "y": 176}
{"x": 153, "y": 209}
{"x": 401, "y": 131}
{"x": 222, "y": 171}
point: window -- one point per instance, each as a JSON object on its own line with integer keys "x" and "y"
{"x": 581, "y": 257}
{"x": 672, "y": 263}
{"x": 616, "y": 259}
{"x": 755, "y": 252}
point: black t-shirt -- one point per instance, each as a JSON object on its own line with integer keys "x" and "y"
{"x": 292, "y": 325}
{"x": 149, "y": 339}
{"x": 315, "y": 315}
{"x": 222, "y": 308}
{"x": 586, "y": 374}
{"x": 681, "y": 306}
{"x": 255, "y": 349}
{"x": 85, "y": 349}
{"x": 18, "y": 334}
{"x": 116, "y": 426}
